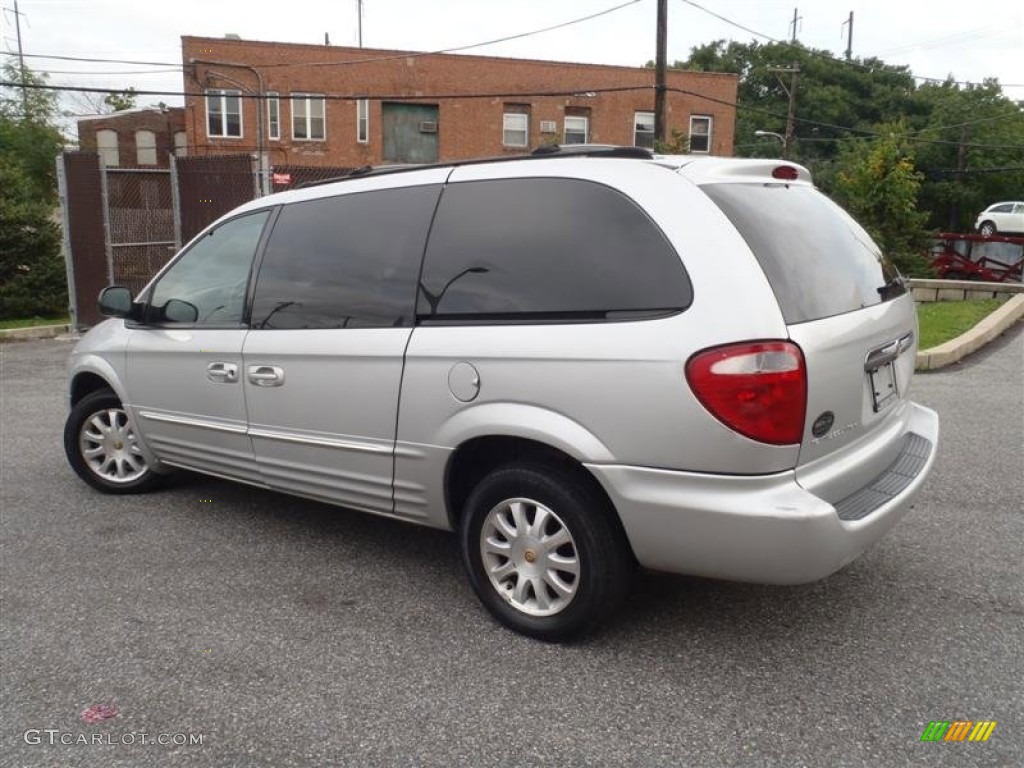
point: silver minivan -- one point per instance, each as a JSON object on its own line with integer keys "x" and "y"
{"x": 579, "y": 361}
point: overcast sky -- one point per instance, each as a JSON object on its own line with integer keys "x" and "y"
{"x": 970, "y": 40}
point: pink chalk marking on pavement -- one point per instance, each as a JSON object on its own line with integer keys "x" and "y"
{"x": 97, "y": 713}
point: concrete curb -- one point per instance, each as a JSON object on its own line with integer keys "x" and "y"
{"x": 989, "y": 328}
{"x": 34, "y": 333}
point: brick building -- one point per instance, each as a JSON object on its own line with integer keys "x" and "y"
{"x": 282, "y": 101}
{"x": 135, "y": 138}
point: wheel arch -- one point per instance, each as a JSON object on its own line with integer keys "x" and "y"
{"x": 84, "y": 383}
{"x": 475, "y": 458}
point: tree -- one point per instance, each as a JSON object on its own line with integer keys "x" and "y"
{"x": 104, "y": 104}
{"x": 970, "y": 148}
{"x": 32, "y": 276}
{"x": 877, "y": 183}
{"x": 30, "y": 137}
{"x": 830, "y": 92}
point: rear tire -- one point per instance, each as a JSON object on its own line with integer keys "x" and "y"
{"x": 543, "y": 551}
{"x": 102, "y": 448}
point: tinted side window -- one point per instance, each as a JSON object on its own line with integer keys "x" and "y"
{"x": 345, "y": 262}
{"x": 212, "y": 275}
{"x": 536, "y": 249}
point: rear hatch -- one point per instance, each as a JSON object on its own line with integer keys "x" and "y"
{"x": 845, "y": 305}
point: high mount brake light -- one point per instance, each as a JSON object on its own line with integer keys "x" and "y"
{"x": 758, "y": 389}
{"x": 785, "y": 172}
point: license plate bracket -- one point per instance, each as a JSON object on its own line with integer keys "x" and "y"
{"x": 884, "y": 390}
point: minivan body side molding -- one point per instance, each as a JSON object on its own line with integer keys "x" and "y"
{"x": 323, "y": 442}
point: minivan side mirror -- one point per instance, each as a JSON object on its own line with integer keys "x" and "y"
{"x": 178, "y": 311}
{"x": 116, "y": 301}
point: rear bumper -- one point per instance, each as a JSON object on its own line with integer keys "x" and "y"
{"x": 764, "y": 529}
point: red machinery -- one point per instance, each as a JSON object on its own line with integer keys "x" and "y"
{"x": 994, "y": 259}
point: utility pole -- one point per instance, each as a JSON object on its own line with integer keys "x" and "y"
{"x": 794, "y": 72}
{"x": 21, "y": 62}
{"x": 849, "y": 36}
{"x": 796, "y": 18}
{"x": 359, "y": 4}
{"x": 660, "y": 64}
{"x": 961, "y": 167}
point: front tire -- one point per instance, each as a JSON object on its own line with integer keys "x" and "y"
{"x": 543, "y": 551}
{"x": 102, "y": 447}
{"x": 987, "y": 228}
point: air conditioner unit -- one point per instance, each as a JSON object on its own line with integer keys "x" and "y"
{"x": 548, "y": 126}
{"x": 428, "y": 126}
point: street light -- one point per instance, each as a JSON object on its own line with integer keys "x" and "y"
{"x": 779, "y": 136}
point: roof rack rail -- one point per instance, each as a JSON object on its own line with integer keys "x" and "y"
{"x": 592, "y": 150}
{"x": 548, "y": 151}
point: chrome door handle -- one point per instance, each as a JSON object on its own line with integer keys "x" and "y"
{"x": 222, "y": 373}
{"x": 266, "y": 375}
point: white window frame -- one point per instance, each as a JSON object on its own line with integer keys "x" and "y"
{"x": 273, "y": 116}
{"x": 307, "y": 100}
{"x": 222, "y": 96}
{"x": 111, "y": 153}
{"x": 586, "y": 128}
{"x": 508, "y": 121}
{"x": 363, "y": 121}
{"x": 648, "y": 118}
{"x": 711, "y": 123}
{"x": 145, "y": 147}
{"x": 180, "y": 144}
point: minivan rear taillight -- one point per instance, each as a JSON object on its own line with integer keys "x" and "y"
{"x": 758, "y": 389}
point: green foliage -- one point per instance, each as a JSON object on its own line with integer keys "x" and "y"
{"x": 678, "y": 144}
{"x": 833, "y": 95}
{"x": 30, "y": 138}
{"x": 828, "y": 91}
{"x": 32, "y": 275}
{"x": 978, "y": 115}
{"x": 118, "y": 101}
{"x": 877, "y": 183}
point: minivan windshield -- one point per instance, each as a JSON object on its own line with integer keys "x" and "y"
{"x": 818, "y": 260}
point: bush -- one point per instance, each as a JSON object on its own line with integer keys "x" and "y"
{"x": 33, "y": 280}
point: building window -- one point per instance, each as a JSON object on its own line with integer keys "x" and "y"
{"x": 363, "y": 121}
{"x": 700, "y": 133}
{"x": 515, "y": 126}
{"x": 224, "y": 113}
{"x": 273, "y": 116}
{"x": 106, "y": 145}
{"x": 145, "y": 147}
{"x": 576, "y": 129}
{"x": 308, "y": 123}
{"x": 643, "y": 129}
{"x": 180, "y": 144}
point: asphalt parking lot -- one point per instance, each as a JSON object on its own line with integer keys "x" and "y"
{"x": 288, "y": 633}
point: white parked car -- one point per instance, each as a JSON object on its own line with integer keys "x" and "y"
{"x": 1001, "y": 218}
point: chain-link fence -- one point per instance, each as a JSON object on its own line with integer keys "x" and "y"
{"x": 121, "y": 225}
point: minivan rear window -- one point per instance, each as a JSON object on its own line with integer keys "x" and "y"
{"x": 818, "y": 260}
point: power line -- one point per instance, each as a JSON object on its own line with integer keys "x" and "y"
{"x": 367, "y": 60}
{"x": 107, "y": 72}
{"x": 577, "y": 92}
{"x": 847, "y": 62}
{"x": 458, "y": 48}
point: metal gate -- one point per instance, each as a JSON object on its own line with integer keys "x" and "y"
{"x": 121, "y": 225}
{"x": 139, "y": 220}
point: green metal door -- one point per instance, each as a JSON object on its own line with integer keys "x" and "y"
{"x": 410, "y": 133}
